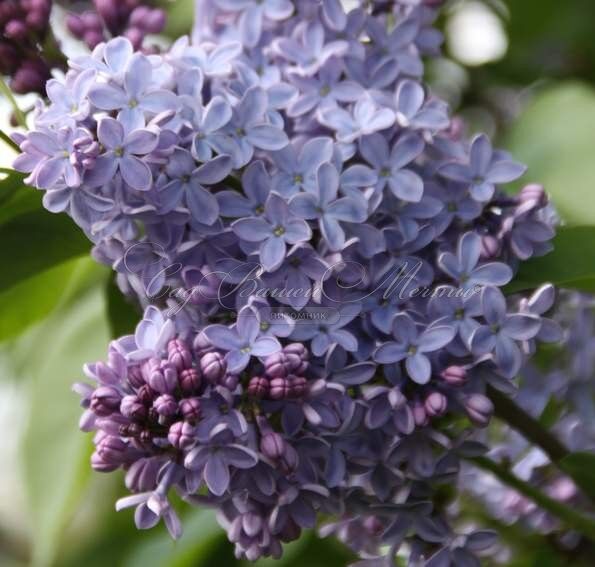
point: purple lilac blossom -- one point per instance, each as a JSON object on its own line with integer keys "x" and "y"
{"x": 292, "y": 171}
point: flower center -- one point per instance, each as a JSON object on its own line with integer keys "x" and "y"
{"x": 279, "y": 231}
{"x": 133, "y": 103}
{"x": 119, "y": 151}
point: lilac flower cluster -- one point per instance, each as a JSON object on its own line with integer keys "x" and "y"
{"x": 293, "y": 169}
{"x": 133, "y": 19}
{"x": 23, "y": 27}
{"x": 563, "y": 384}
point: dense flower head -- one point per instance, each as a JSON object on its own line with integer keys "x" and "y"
{"x": 133, "y": 19}
{"x": 23, "y": 28}
{"x": 320, "y": 258}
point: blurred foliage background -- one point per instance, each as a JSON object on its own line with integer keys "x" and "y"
{"x": 522, "y": 70}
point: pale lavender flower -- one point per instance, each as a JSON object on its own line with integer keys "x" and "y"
{"x": 187, "y": 183}
{"x": 463, "y": 267}
{"x": 485, "y": 169}
{"x": 390, "y": 167}
{"x": 366, "y": 119}
{"x": 501, "y": 332}
{"x": 242, "y": 341}
{"x": 123, "y": 149}
{"x": 411, "y": 345}
{"x": 325, "y": 206}
{"x": 274, "y": 230}
{"x": 136, "y": 97}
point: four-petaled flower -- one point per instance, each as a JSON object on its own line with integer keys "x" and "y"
{"x": 412, "y": 346}
{"x": 243, "y": 340}
{"x": 486, "y": 168}
{"x": 274, "y": 230}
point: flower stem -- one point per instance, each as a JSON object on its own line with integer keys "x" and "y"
{"x": 570, "y": 517}
{"x": 9, "y": 142}
{"x": 507, "y": 410}
{"x": 18, "y": 113}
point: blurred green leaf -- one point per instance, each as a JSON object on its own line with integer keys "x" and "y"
{"x": 123, "y": 316}
{"x": 10, "y": 182}
{"x": 35, "y": 241}
{"x": 547, "y": 39}
{"x": 34, "y": 298}
{"x": 180, "y": 17}
{"x": 554, "y": 137}
{"x": 55, "y": 453}
{"x": 570, "y": 264}
{"x": 202, "y": 536}
{"x": 581, "y": 468}
{"x": 16, "y": 197}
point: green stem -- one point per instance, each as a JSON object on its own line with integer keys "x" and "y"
{"x": 570, "y": 517}
{"x": 508, "y": 411}
{"x": 18, "y": 113}
{"x": 9, "y": 142}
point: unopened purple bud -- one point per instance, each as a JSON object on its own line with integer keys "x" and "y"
{"x": 138, "y": 16}
{"x": 293, "y": 359}
{"x": 135, "y": 377}
{"x": 190, "y": 409}
{"x": 454, "y": 375}
{"x": 533, "y": 193}
{"x": 272, "y": 445}
{"x": 435, "y": 404}
{"x": 112, "y": 449}
{"x": 93, "y": 38}
{"x": 75, "y": 25}
{"x": 91, "y": 21}
{"x": 16, "y": 29}
{"x": 181, "y": 435}
{"x": 105, "y": 400}
{"x": 562, "y": 489}
{"x": 136, "y": 36}
{"x": 166, "y": 405}
{"x": 420, "y": 417}
{"x": 162, "y": 375}
{"x": 9, "y": 59}
{"x": 479, "y": 408}
{"x": 109, "y": 11}
{"x": 100, "y": 465}
{"x": 179, "y": 354}
{"x": 190, "y": 380}
{"x": 213, "y": 366}
{"x": 155, "y": 22}
{"x": 133, "y": 408}
{"x": 279, "y": 388}
{"x": 490, "y": 246}
{"x": 258, "y": 387}
{"x": 30, "y": 77}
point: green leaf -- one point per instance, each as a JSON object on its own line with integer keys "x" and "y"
{"x": 9, "y": 184}
{"x": 123, "y": 316}
{"x": 554, "y": 137}
{"x": 55, "y": 453}
{"x": 34, "y": 298}
{"x": 571, "y": 264}
{"x": 35, "y": 241}
{"x": 581, "y": 468}
{"x": 180, "y": 18}
{"x": 202, "y": 536}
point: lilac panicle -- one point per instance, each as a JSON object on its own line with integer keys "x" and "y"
{"x": 318, "y": 252}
